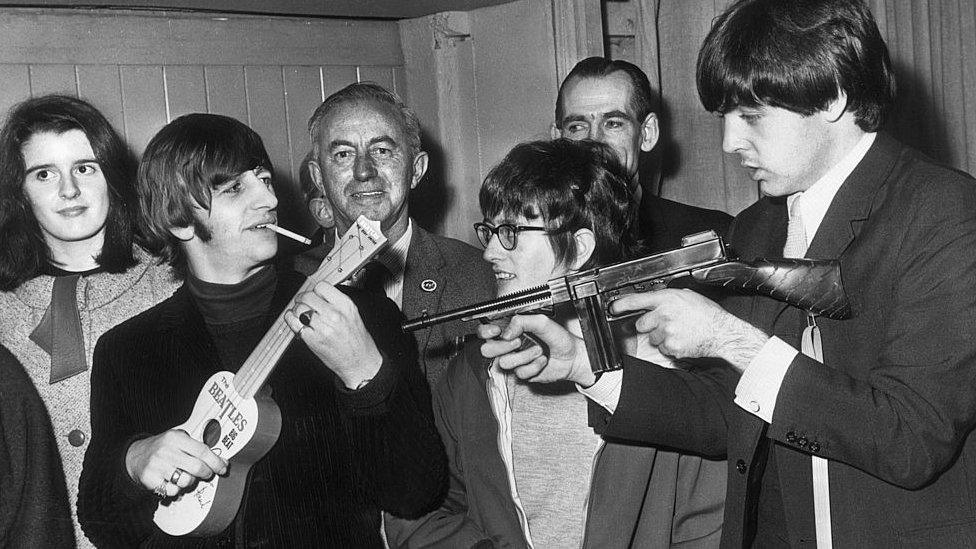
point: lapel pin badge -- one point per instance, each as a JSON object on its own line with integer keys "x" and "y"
{"x": 428, "y": 285}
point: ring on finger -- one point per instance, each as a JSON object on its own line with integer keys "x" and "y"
{"x": 160, "y": 490}
{"x": 175, "y": 477}
{"x": 306, "y": 317}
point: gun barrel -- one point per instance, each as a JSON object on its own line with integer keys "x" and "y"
{"x": 485, "y": 308}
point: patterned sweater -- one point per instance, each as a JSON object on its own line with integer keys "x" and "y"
{"x": 104, "y": 300}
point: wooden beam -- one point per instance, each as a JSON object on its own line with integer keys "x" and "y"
{"x": 134, "y": 38}
{"x": 578, "y": 32}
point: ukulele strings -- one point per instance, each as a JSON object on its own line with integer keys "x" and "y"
{"x": 255, "y": 369}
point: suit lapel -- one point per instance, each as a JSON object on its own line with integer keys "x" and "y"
{"x": 848, "y": 211}
{"x": 423, "y": 279}
{"x": 852, "y": 203}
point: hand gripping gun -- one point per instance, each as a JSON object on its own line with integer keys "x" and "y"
{"x": 812, "y": 285}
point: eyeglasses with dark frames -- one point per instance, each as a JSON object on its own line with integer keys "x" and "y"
{"x": 507, "y": 233}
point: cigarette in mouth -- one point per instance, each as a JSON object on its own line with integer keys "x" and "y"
{"x": 286, "y": 232}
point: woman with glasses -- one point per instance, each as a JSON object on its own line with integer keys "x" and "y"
{"x": 527, "y": 469}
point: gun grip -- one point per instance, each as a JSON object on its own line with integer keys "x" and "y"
{"x": 528, "y": 341}
{"x": 600, "y": 346}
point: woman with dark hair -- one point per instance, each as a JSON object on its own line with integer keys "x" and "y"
{"x": 527, "y": 469}
{"x": 69, "y": 265}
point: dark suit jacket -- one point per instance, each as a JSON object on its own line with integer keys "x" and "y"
{"x": 441, "y": 274}
{"x": 461, "y": 277}
{"x": 34, "y": 508}
{"x": 341, "y": 456}
{"x": 661, "y": 222}
{"x": 893, "y": 404}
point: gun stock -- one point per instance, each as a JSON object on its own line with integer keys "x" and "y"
{"x": 812, "y": 285}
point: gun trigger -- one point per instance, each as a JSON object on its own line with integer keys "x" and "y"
{"x": 528, "y": 341}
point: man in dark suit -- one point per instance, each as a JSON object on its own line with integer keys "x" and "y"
{"x": 366, "y": 157}
{"x": 352, "y": 429}
{"x": 611, "y": 101}
{"x": 852, "y": 433}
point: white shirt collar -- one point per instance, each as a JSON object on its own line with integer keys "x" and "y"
{"x": 817, "y": 199}
{"x": 394, "y": 256}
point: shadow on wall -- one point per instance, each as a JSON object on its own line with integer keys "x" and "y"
{"x": 292, "y": 208}
{"x": 665, "y": 159}
{"x": 431, "y": 199}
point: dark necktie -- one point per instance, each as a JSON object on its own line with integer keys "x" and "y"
{"x": 60, "y": 334}
{"x": 375, "y": 276}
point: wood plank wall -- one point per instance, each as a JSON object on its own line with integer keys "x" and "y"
{"x": 143, "y": 69}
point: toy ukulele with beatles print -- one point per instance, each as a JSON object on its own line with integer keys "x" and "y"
{"x": 241, "y": 425}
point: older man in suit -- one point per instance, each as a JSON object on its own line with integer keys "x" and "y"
{"x": 366, "y": 157}
{"x": 853, "y": 432}
{"x": 610, "y": 101}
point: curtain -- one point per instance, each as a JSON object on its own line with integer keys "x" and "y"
{"x": 933, "y": 49}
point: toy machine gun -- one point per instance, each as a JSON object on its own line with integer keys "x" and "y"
{"x": 809, "y": 284}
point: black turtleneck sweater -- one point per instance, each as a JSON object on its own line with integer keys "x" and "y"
{"x": 341, "y": 457}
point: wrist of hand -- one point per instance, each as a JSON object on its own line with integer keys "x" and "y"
{"x": 359, "y": 378}
{"x": 740, "y": 343}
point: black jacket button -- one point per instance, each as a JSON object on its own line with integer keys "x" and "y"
{"x": 76, "y": 437}
{"x": 740, "y": 466}
{"x": 790, "y": 437}
{"x": 815, "y": 447}
{"x": 802, "y": 442}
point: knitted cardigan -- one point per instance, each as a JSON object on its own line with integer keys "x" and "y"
{"x": 104, "y": 300}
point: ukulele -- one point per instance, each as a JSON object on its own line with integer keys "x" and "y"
{"x": 237, "y": 422}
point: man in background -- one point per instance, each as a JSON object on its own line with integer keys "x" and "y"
{"x": 366, "y": 158}
{"x": 611, "y": 101}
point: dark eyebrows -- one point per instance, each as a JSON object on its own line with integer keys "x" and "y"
{"x": 617, "y": 113}
{"x": 49, "y": 166}
{"x": 38, "y": 167}
{"x": 572, "y": 118}
{"x": 378, "y": 139}
{"x": 384, "y": 139}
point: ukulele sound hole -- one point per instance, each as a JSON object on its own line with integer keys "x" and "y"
{"x": 211, "y": 433}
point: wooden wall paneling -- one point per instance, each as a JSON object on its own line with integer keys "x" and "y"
{"x": 400, "y": 83}
{"x": 15, "y": 88}
{"x": 968, "y": 24}
{"x": 391, "y": 9}
{"x": 186, "y": 90}
{"x": 696, "y": 170}
{"x": 578, "y": 32}
{"x": 464, "y": 162}
{"x": 438, "y": 56}
{"x": 101, "y": 86}
{"x": 381, "y": 75}
{"x": 303, "y": 93}
{"x": 45, "y": 79}
{"x": 143, "y": 103}
{"x": 514, "y": 74}
{"x": 335, "y": 77}
{"x": 167, "y": 38}
{"x": 226, "y": 93}
{"x": 266, "y": 113}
